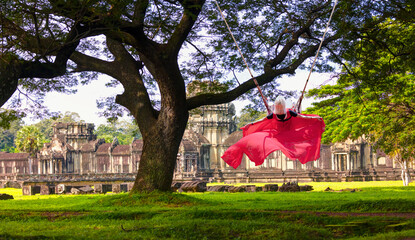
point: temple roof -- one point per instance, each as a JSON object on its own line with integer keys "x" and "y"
{"x": 137, "y": 145}
{"x": 188, "y": 146}
{"x": 14, "y": 156}
{"x": 202, "y": 139}
{"x": 103, "y": 148}
{"x": 195, "y": 137}
{"x": 122, "y": 150}
{"x": 233, "y": 138}
{"x": 88, "y": 147}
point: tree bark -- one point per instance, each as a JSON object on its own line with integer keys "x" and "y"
{"x": 162, "y": 138}
{"x": 406, "y": 176}
{"x": 9, "y": 79}
{"x": 159, "y": 154}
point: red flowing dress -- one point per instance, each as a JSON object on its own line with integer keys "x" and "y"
{"x": 298, "y": 138}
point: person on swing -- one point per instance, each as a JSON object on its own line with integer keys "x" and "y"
{"x": 284, "y": 114}
{"x": 297, "y": 135}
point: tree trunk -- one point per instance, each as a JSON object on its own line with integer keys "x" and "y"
{"x": 160, "y": 148}
{"x": 405, "y": 175}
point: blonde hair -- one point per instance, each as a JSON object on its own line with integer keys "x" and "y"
{"x": 279, "y": 105}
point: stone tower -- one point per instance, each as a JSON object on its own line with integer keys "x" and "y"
{"x": 215, "y": 123}
{"x": 74, "y": 134}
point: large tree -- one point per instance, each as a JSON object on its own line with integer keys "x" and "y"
{"x": 163, "y": 45}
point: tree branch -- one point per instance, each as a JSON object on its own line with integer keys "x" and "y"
{"x": 88, "y": 63}
{"x": 128, "y": 74}
{"x": 288, "y": 46}
{"x": 212, "y": 99}
{"x": 266, "y": 77}
{"x": 140, "y": 12}
{"x": 192, "y": 9}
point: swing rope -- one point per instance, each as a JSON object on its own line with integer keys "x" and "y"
{"x": 246, "y": 64}
{"x": 298, "y": 104}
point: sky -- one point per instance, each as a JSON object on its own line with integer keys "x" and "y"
{"x": 84, "y": 101}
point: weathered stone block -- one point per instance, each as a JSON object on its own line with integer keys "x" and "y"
{"x": 13, "y": 184}
{"x": 130, "y": 186}
{"x": 62, "y": 188}
{"x": 116, "y": 188}
{"x": 289, "y": 187}
{"x": 86, "y": 189}
{"x": 218, "y": 188}
{"x": 270, "y": 188}
{"x": 175, "y": 186}
{"x": 30, "y": 190}
{"x": 250, "y": 188}
{"x": 75, "y": 191}
{"x": 196, "y": 186}
{"x": 234, "y": 189}
{"x": 46, "y": 190}
{"x": 102, "y": 188}
{"x": 97, "y": 188}
{"x": 27, "y": 190}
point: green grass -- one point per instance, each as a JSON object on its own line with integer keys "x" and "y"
{"x": 375, "y": 212}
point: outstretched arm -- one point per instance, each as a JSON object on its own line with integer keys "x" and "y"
{"x": 306, "y": 116}
{"x": 295, "y": 114}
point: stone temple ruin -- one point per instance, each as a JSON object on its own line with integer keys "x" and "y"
{"x": 75, "y": 155}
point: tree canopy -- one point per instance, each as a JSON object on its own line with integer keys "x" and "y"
{"x": 8, "y": 135}
{"x": 155, "y": 48}
{"x": 124, "y": 131}
{"x": 375, "y": 95}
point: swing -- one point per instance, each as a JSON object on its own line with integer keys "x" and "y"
{"x": 298, "y": 138}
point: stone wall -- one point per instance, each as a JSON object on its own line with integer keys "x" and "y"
{"x": 209, "y": 134}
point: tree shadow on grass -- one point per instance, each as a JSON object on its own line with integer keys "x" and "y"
{"x": 162, "y": 199}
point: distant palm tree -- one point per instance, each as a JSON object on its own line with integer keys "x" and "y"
{"x": 29, "y": 139}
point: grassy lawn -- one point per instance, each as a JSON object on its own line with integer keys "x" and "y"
{"x": 381, "y": 210}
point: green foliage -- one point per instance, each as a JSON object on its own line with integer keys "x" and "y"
{"x": 375, "y": 97}
{"x": 200, "y": 87}
{"x": 249, "y": 115}
{"x": 8, "y": 135}
{"x": 29, "y": 139}
{"x": 124, "y": 131}
{"x": 8, "y": 116}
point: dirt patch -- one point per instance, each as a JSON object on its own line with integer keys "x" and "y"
{"x": 408, "y": 215}
{"x": 52, "y": 216}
